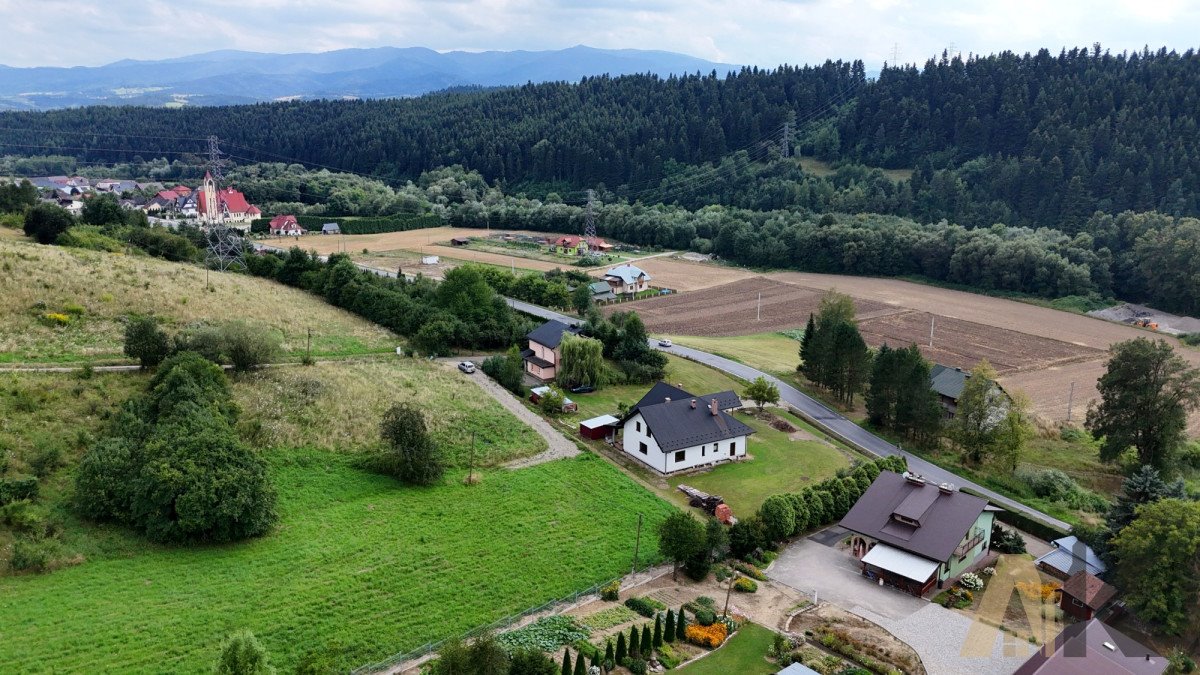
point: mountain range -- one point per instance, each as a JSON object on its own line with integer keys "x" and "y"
{"x": 231, "y": 77}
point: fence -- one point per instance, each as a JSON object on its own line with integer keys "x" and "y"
{"x": 495, "y": 627}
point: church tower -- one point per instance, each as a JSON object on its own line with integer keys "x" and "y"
{"x": 211, "y": 206}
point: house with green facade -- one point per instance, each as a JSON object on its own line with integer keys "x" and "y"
{"x": 913, "y": 534}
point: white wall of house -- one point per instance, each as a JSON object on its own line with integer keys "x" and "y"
{"x": 636, "y": 436}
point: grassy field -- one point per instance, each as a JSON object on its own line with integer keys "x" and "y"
{"x": 541, "y": 253}
{"x": 358, "y": 565}
{"x": 780, "y": 463}
{"x": 687, "y": 375}
{"x": 338, "y": 405}
{"x": 774, "y": 353}
{"x": 744, "y": 654}
{"x": 96, "y": 290}
{"x": 820, "y": 168}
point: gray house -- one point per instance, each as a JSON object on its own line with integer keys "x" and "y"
{"x": 331, "y": 228}
{"x": 948, "y": 383}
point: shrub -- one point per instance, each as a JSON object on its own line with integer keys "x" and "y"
{"x": 18, "y": 487}
{"x": 507, "y": 370}
{"x": 611, "y": 591}
{"x": 988, "y": 571}
{"x": 243, "y": 654}
{"x": 971, "y": 581}
{"x": 1006, "y": 541}
{"x": 711, "y": 636}
{"x": 706, "y": 617}
{"x": 55, "y": 319}
{"x": 146, "y": 341}
{"x": 778, "y": 517}
{"x": 44, "y": 222}
{"x": 46, "y": 460}
{"x": 745, "y": 585}
{"x": 21, "y": 516}
{"x": 750, "y": 571}
{"x": 668, "y": 657}
{"x": 637, "y": 667}
{"x": 249, "y": 346}
{"x": 547, "y": 634}
{"x": 410, "y": 455}
{"x": 644, "y": 606}
{"x": 551, "y": 402}
{"x": 30, "y": 555}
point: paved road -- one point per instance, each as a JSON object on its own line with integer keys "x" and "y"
{"x": 827, "y": 419}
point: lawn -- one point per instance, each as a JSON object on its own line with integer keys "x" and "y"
{"x": 744, "y": 654}
{"x": 97, "y": 290}
{"x": 338, "y": 405}
{"x": 358, "y": 566}
{"x": 774, "y": 353}
{"x": 687, "y": 375}
{"x": 778, "y": 464}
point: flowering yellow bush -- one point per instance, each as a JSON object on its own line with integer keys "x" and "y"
{"x": 1043, "y": 592}
{"x": 707, "y": 636}
{"x": 55, "y": 319}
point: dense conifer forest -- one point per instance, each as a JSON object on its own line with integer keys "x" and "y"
{"x": 1052, "y": 175}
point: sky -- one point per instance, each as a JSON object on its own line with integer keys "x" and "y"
{"x": 758, "y": 32}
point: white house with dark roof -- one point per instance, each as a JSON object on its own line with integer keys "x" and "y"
{"x": 671, "y": 430}
{"x": 627, "y": 280}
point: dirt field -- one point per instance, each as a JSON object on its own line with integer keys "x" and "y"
{"x": 683, "y": 275}
{"x": 732, "y": 308}
{"x": 1036, "y": 349}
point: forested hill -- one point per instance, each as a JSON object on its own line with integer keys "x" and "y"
{"x": 1035, "y": 140}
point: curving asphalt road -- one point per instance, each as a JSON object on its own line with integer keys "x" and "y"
{"x": 827, "y": 419}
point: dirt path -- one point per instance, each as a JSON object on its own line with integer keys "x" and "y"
{"x": 559, "y": 445}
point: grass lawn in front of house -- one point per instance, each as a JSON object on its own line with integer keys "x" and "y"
{"x": 780, "y": 462}
{"x": 687, "y": 375}
{"x": 773, "y": 353}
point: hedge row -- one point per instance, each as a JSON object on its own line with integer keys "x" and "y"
{"x": 1022, "y": 521}
{"x": 358, "y": 225}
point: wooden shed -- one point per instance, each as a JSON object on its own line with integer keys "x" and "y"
{"x": 598, "y": 428}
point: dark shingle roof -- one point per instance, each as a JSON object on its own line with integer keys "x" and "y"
{"x": 726, "y": 400}
{"x": 660, "y": 392}
{"x": 944, "y": 518}
{"x": 550, "y": 333}
{"x": 947, "y": 381}
{"x": 677, "y": 425}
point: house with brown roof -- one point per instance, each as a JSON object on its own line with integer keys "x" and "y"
{"x": 913, "y": 534}
{"x": 1093, "y": 648}
{"x": 1083, "y": 596}
{"x": 285, "y": 226}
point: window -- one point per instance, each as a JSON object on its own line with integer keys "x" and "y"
{"x": 679, "y": 456}
{"x": 703, "y": 450}
{"x": 732, "y": 448}
{"x": 639, "y": 426}
{"x": 642, "y": 447}
{"x": 1076, "y": 602}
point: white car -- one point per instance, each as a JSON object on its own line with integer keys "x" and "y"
{"x": 467, "y": 367}
{"x": 665, "y": 343}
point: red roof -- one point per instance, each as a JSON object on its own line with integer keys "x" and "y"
{"x": 234, "y": 201}
{"x": 168, "y": 194}
{"x": 572, "y": 241}
{"x": 283, "y": 222}
{"x": 182, "y": 190}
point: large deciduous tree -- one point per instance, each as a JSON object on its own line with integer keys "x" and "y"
{"x": 761, "y": 392}
{"x": 1145, "y": 397}
{"x": 982, "y": 408}
{"x": 410, "y": 454}
{"x": 1158, "y": 563}
{"x": 680, "y": 537}
{"x": 44, "y": 222}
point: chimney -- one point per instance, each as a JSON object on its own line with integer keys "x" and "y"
{"x": 713, "y": 407}
{"x": 667, "y": 399}
{"x": 946, "y": 488}
{"x": 693, "y": 404}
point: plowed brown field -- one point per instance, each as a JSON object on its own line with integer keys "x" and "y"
{"x": 1035, "y": 349}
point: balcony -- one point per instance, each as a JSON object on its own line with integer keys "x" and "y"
{"x": 972, "y": 541}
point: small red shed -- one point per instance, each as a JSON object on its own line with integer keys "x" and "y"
{"x": 1084, "y": 595}
{"x": 598, "y": 428}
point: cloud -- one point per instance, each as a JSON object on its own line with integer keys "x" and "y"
{"x": 760, "y": 32}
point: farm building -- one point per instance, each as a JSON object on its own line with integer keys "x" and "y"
{"x": 599, "y": 428}
{"x": 670, "y": 430}
{"x": 570, "y": 245}
{"x": 430, "y": 260}
{"x": 911, "y": 534}
{"x": 1083, "y": 596}
{"x": 331, "y": 228}
{"x": 460, "y": 241}
{"x": 536, "y": 394}
{"x": 1069, "y": 556}
{"x": 542, "y": 355}
{"x": 1095, "y": 648}
{"x": 627, "y": 280}
{"x": 602, "y": 292}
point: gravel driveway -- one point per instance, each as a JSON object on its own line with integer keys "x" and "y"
{"x": 939, "y": 635}
{"x": 558, "y": 446}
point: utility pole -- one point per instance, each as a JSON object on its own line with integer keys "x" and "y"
{"x": 932, "y": 321}
{"x": 728, "y": 591}
{"x": 895, "y": 53}
{"x": 589, "y": 227}
{"x": 637, "y": 547}
{"x": 1070, "y": 401}
{"x": 760, "y": 307}
{"x": 308, "y": 348}
{"x": 471, "y": 465}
